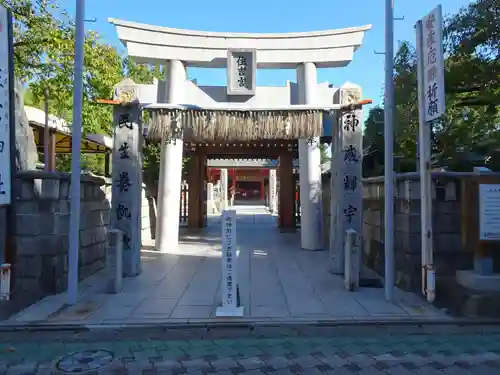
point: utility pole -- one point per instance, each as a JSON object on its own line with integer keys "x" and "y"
{"x": 74, "y": 225}
{"x": 389, "y": 151}
{"x": 46, "y": 130}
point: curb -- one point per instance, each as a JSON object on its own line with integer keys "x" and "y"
{"x": 292, "y": 324}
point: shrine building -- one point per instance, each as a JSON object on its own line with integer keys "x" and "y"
{"x": 240, "y": 121}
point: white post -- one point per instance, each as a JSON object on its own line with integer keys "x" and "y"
{"x": 311, "y": 231}
{"x": 211, "y": 208}
{"x": 169, "y": 187}
{"x": 388, "y": 151}
{"x": 272, "y": 191}
{"x": 5, "y": 282}
{"x": 223, "y": 189}
{"x": 76, "y": 140}
{"x": 428, "y": 47}
{"x": 46, "y": 130}
{"x": 229, "y": 267}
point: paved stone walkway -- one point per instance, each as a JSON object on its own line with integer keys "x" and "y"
{"x": 344, "y": 352}
{"x": 277, "y": 279}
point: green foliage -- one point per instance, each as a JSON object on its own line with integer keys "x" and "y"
{"x": 468, "y": 134}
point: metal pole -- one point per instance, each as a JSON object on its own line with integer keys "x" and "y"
{"x": 74, "y": 225}
{"x": 46, "y": 131}
{"x": 388, "y": 152}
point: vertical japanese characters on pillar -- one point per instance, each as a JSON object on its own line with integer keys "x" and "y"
{"x": 5, "y": 105}
{"x": 127, "y": 183}
{"x": 433, "y": 65}
{"x": 272, "y": 190}
{"x": 353, "y": 160}
{"x": 347, "y": 161}
{"x": 223, "y": 188}
{"x": 229, "y": 267}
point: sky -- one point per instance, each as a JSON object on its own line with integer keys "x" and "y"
{"x": 275, "y": 16}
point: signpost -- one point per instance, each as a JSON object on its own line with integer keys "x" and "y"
{"x": 7, "y": 142}
{"x": 489, "y": 212}
{"x": 431, "y": 98}
{"x": 230, "y": 305}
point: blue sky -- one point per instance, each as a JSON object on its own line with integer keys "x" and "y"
{"x": 367, "y": 68}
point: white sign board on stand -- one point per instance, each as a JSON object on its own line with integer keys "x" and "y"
{"x": 489, "y": 212}
{"x": 5, "y": 105}
{"x": 433, "y": 64}
{"x": 229, "y": 267}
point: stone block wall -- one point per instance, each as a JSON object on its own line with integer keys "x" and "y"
{"x": 42, "y": 209}
{"x": 450, "y": 253}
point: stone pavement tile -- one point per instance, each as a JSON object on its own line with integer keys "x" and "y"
{"x": 334, "y": 361}
{"x": 195, "y": 372}
{"x": 341, "y": 371}
{"x": 361, "y": 360}
{"x": 370, "y": 371}
{"x": 195, "y": 364}
{"x": 427, "y": 370}
{"x": 145, "y": 354}
{"x": 280, "y": 372}
{"x": 279, "y": 362}
{"x": 399, "y": 370}
{"x": 191, "y": 311}
{"x": 484, "y": 370}
{"x": 223, "y": 363}
{"x": 254, "y": 372}
{"x": 167, "y": 365}
{"x": 252, "y": 363}
{"x": 388, "y": 359}
{"x": 455, "y": 370}
{"x": 307, "y": 361}
{"x": 136, "y": 367}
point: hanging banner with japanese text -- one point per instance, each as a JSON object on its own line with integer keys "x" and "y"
{"x": 6, "y": 97}
{"x": 433, "y": 64}
{"x": 127, "y": 184}
{"x": 241, "y": 71}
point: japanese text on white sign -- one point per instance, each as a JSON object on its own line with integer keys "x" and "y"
{"x": 433, "y": 65}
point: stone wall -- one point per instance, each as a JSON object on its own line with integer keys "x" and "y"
{"x": 450, "y": 254}
{"x": 42, "y": 202}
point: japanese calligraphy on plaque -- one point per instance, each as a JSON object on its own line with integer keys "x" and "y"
{"x": 347, "y": 161}
{"x": 432, "y": 60}
{"x": 229, "y": 257}
{"x": 127, "y": 183}
{"x": 6, "y": 89}
{"x": 241, "y": 70}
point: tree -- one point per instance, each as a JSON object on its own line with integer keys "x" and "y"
{"x": 43, "y": 57}
{"x": 373, "y": 143}
{"x": 468, "y": 133}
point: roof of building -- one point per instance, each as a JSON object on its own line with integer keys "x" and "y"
{"x": 91, "y": 143}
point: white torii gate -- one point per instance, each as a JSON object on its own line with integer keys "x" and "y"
{"x": 178, "y": 49}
